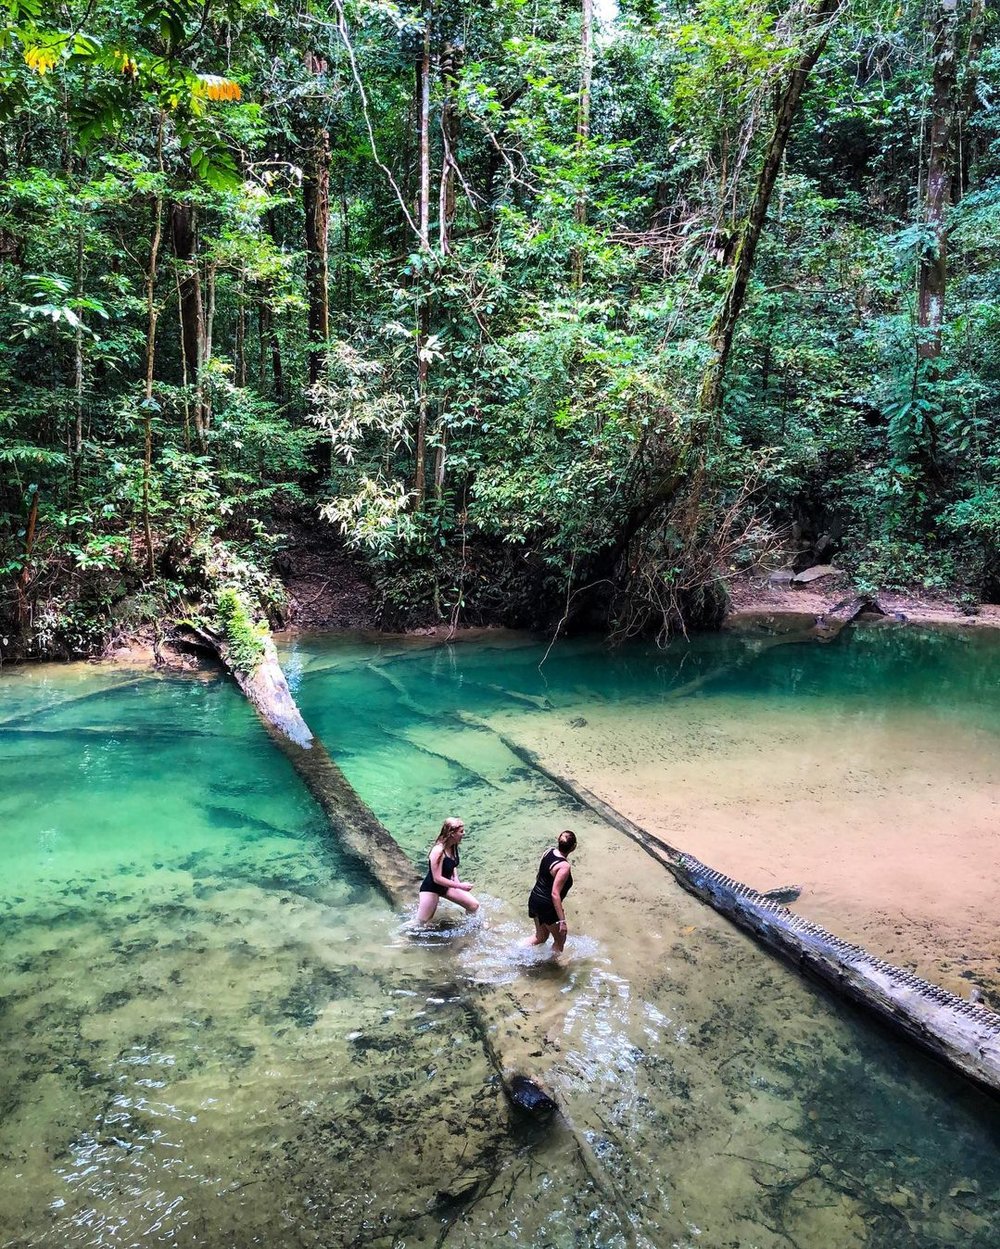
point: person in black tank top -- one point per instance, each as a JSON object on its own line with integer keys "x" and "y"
{"x": 553, "y": 883}
{"x": 442, "y": 879}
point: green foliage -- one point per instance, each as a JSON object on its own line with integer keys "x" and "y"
{"x": 543, "y": 343}
{"x": 243, "y": 637}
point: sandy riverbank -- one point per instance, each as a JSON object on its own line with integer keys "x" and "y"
{"x": 888, "y": 825}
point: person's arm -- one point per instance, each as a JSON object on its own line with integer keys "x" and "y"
{"x": 461, "y": 884}
{"x": 558, "y": 876}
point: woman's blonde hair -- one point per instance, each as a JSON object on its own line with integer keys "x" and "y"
{"x": 448, "y": 829}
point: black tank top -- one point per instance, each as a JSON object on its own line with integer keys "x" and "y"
{"x": 448, "y": 865}
{"x": 543, "y": 885}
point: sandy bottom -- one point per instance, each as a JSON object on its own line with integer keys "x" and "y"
{"x": 890, "y": 826}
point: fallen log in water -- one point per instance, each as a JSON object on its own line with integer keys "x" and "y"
{"x": 965, "y": 1034}
{"x": 832, "y": 623}
{"x": 503, "y": 1024}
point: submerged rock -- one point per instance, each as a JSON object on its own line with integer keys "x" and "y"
{"x": 528, "y": 1096}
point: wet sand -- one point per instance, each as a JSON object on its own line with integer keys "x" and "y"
{"x": 891, "y": 826}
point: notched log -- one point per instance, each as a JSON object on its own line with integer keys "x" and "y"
{"x": 964, "y": 1034}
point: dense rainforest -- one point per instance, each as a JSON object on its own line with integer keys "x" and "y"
{"x": 539, "y": 309}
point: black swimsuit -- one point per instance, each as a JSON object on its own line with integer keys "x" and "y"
{"x": 540, "y": 905}
{"x": 448, "y": 865}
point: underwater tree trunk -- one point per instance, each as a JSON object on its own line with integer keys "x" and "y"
{"x": 502, "y": 1020}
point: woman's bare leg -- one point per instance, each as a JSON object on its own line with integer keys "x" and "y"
{"x": 428, "y": 905}
{"x": 558, "y": 937}
{"x": 541, "y": 935}
{"x": 463, "y": 898}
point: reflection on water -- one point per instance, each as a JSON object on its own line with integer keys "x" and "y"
{"x": 214, "y": 1033}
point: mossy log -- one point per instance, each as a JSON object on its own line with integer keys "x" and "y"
{"x": 963, "y": 1034}
{"x": 505, "y": 1028}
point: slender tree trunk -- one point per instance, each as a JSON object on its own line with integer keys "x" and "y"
{"x": 277, "y": 369}
{"x": 424, "y": 231}
{"x": 184, "y": 245}
{"x": 185, "y": 371}
{"x": 204, "y": 389}
{"x": 818, "y": 22}
{"x": 969, "y": 99}
{"x": 78, "y": 361}
{"x": 316, "y": 205}
{"x": 450, "y": 125}
{"x": 24, "y": 576}
{"x": 933, "y": 278}
{"x": 240, "y": 346}
{"x": 583, "y": 124}
{"x": 270, "y": 343}
{"x": 347, "y": 295}
{"x": 152, "y": 315}
{"x": 263, "y": 345}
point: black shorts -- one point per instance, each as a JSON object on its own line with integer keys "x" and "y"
{"x": 542, "y": 910}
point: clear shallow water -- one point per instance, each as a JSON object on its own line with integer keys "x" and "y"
{"x": 213, "y": 1031}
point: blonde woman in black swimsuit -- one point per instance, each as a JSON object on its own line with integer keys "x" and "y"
{"x": 442, "y": 880}
{"x": 545, "y": 902}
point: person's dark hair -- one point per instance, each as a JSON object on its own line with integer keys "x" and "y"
{"x": 567, "y": 840}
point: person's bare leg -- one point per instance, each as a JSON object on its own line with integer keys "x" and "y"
{"x": 558, "y": 938}
{"x": 428, "y": 905}
{"x": 541, "y": 935}
{"x": 463, "y": 898}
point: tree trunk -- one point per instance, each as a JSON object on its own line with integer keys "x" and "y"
{"x": 204, "y": 388}
{"x": 450, "y": 125}
{"x": 316, "y": 205}
{"x": 240, "y": 346}
{"x": 933, "y": 277}
{"x": 24, "y": 576}
{"x": 347, "y": 294}
{"x": 77, "y": 449}
{"x": 184, "y": 245}
{"x": 819, "y": 19}
{"x": 423, "y": 90}
{"x": 450, "y": 65}
{"x": 583, "y": 124}
{"x": 152, "y": 316}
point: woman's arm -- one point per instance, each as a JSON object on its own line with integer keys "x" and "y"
{"x": 558, "y": 876}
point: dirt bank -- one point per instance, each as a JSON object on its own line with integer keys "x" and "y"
{"x": 755, "y": 599}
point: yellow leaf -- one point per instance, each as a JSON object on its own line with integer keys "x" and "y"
{"x": 41, "y": 60}
{"x": 129, "y": 65}
{"x": 212, "y": 87}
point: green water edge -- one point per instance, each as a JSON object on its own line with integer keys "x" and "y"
{"x": 214, "y": 1032}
